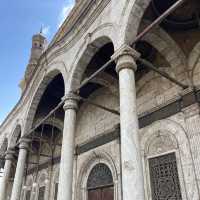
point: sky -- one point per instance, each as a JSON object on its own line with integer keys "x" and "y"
{"x": 19, "y": 21}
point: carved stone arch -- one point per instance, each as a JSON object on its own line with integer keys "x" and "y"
{"x": 3, "y": 149}
{"x": 93, "y": 159}
{"x": 168, "y": 48}
{"x": 47, "y": 78}
{"x": 58, "y": 66}
{"x": 3, "y": 146}
{"x": 15, "y": 135}
{"x": 177, "y": 142}
{"x": 166, "y": 45}
{"x": 161, "y": 142}
{"x": 93, "y": 42}
{"x": 131, "y": 17}
{"x": 53, "y": 122}
{"x": 194, "y": 65}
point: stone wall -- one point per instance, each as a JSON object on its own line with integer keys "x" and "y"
{"x": 179, "y": 133}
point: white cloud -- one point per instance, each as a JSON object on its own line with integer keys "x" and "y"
{"x": 46, "y": 30}
{"x": 65, "y": 11}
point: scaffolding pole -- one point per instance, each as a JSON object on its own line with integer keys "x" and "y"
{"x": 158, "y": 20}
{"x": 100, "y": 106}
{"x": 101, "y": 69}
{"x": 164, "y": 74}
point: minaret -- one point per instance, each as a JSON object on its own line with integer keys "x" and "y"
{"x": 38, "y": 46}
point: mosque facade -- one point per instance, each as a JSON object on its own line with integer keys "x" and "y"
{"x": 110, "y": 108}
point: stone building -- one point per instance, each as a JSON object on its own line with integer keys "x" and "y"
{"x": 131, "y": 131}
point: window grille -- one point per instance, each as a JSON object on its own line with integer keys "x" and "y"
{"x": 99, "y": 176}
{"x": 164, "y": 178}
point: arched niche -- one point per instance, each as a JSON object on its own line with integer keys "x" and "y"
{"x": 164, "y": 138}
{"x": 100, "y": 183}
{"x": 98, "y": 171}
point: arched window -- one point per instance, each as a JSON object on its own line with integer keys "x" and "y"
{"x": 100, "y": 183}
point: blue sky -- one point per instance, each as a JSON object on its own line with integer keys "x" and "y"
{"x": 19, "y": 20}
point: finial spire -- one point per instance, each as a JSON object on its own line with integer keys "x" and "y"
{"x": 41, "y": 29}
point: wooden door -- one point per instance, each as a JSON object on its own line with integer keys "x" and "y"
{"x": 106, "y": 193}
{"x": 94, "y": 194}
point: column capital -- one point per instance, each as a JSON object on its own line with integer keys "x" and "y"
{"x": 10, "y": 154}
{"x": 71, "y": 101}
{"x": 125, "y": 57}
{"x": 24, "y": 143}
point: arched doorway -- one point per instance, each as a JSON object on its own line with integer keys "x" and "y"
{"x": 100, "y": 183}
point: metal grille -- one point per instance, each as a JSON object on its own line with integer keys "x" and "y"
{"x": 99, "y": 176}
{"x": 41, "y": 193}
{"x": 164, "y": 178}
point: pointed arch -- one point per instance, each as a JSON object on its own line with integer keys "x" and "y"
{"x": 82, "y": 60}
{"x": 132, "y": 15}
{"x": 168, "y": 48}
{"x": 50, "y": 74}
{"x": 95, "y": 158}
{"x": 15, "y": 136}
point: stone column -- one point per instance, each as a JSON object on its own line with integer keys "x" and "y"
{"x": 67, "y": 153}
{"x": 19, "y": 174}
{"x": 7, "y": 172}
{"x": 132, "y": 172}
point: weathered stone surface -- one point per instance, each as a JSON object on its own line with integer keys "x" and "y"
{"x": 105, "y": 21}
